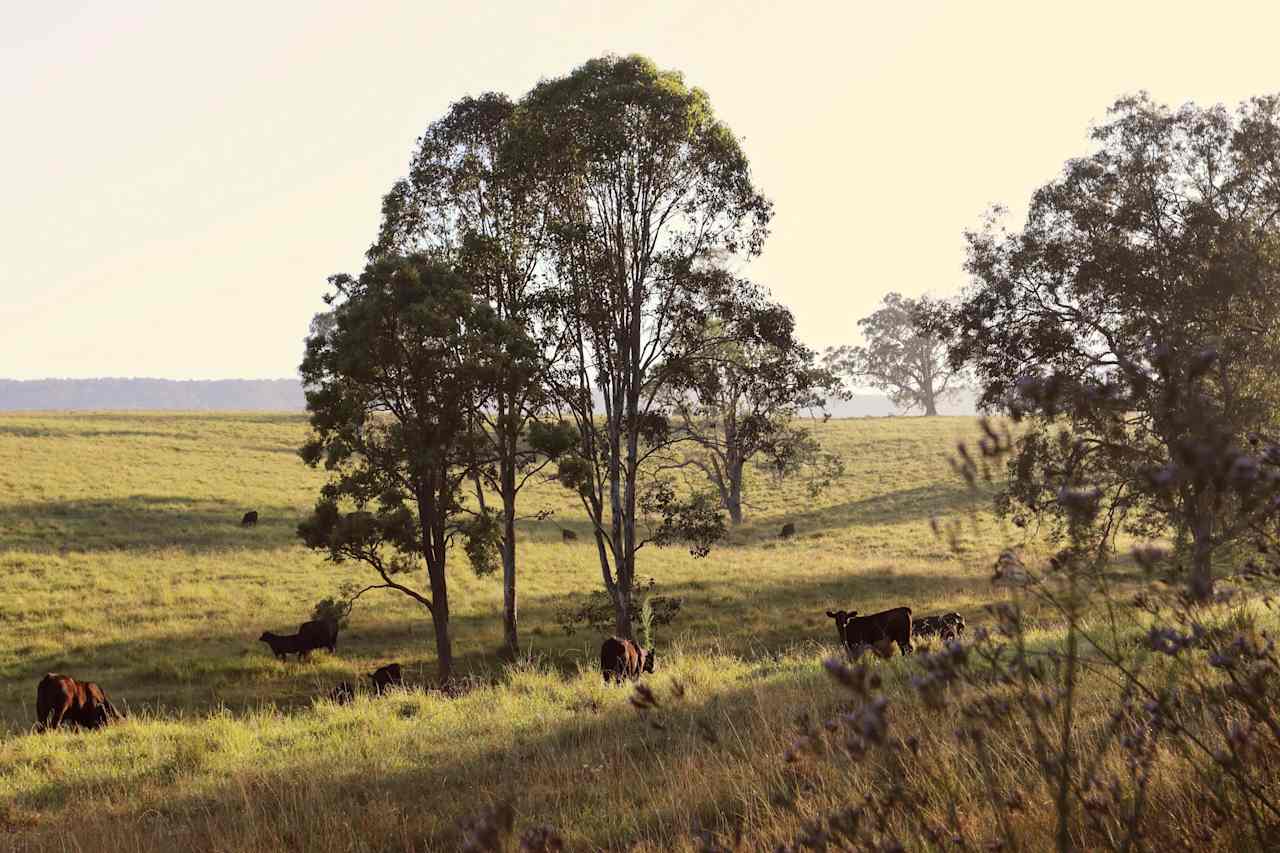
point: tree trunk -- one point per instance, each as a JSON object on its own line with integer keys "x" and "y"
{"x": 511, "y": 639}
{"x": 930, "y": 409}
{"x": 733, "y": 503}
{"x": 440, "y": 622}
{"x": 1202, "y": 552}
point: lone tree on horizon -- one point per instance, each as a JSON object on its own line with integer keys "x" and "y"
{"x": 905, "y": 354}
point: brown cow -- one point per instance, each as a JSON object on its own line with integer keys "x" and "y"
{"x": 855, "y": 630}
{"x": 621, "y": 659}
{"x": 386, "y": 677}
{"x": 319, "y": 634}
{"x": 60, "y": 698}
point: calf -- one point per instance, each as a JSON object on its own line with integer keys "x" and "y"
{"x": 319, "y": 634}
{"x": 946, "y": 626}
{"x": 855, "y": 630}
{"x": 386, "y": 677}
{"x": 250, "y": 518}
{"x": 283, "y": 645}
{"x": 60, "y": 698}
{"x": 568, "y": 535}
{"x": 620, "y": 659}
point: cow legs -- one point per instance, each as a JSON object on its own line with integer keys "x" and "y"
{"x": 59, "y": 712}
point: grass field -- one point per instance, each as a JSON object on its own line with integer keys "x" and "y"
{"x": 122, "y": 561}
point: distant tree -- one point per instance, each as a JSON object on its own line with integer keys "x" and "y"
{"x": 393, "y": 381}
{"x": 648, "y": 187}
{"x": 1137, "y": 314}
{"x": 905, "y": 355}
{"x": 472, "y": 201}
{"x": 739, "y": 400}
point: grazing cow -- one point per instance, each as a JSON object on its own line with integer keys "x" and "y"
{"x": 788, "y": 530}
{"x": 319, "y": 634}
{"x": 386, "y": 677}
{"x": 568, "y": 535}
{"x": 946, "y": 626}
{"x": 283, "y": 645}
{"x": 621, "y": 659}
{"x": 250, "y": 518}
{"x": 855, "y": 630}
{"x": 60, "y": 698}
{"x": 343, "y": 694}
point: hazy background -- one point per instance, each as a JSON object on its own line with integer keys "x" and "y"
{"x": 179, "y": 181}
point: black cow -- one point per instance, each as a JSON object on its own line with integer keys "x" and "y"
{"x": 61, "y": 699}
{"x": 250, "y": 519}
{"x": 283, "y": 645}
{"x": 788, "y": 530}
{"x": 568, "y": 535}
{"x": 319, "y": 634}
{"x": 621, "y": 659}
{"x": 855, "y": 630}
{"x": 386, "y": 677}
{"x": 945, "y": 626}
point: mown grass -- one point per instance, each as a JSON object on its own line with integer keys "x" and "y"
{"x": 122, "y": 561}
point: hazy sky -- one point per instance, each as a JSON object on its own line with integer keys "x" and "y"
{"x": 179, "y": 178}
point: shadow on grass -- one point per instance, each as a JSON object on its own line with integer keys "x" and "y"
{"x": 603, "y": 755}
{"x": 943, "y": 499}
{"x": 143, "y": 522}
{"x": 196, "y": 671}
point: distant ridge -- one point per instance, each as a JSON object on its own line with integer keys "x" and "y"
{"x": 275, "y": 395}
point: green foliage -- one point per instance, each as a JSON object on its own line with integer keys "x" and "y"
{"x": 595, "y": 612}
{"x": 482, "y": 541}
{"x": 333, "y": 609}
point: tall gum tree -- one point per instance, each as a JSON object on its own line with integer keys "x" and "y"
{"x": 471, "y": 202}
{"x": 1137, "y": 315}
{"x": 647, "y": 188}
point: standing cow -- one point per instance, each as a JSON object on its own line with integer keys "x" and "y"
{"x": 621, "y": 659}
{"x": 855, "y": 630}
{"x": 61, "y": 699}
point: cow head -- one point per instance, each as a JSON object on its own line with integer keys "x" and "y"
{"x": 266, "y": 637}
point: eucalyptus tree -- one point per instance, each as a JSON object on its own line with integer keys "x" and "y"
{"x": 470, "y": 200}
{"x": 904, "y": 354}
{"x": 740, "y": 400}
{"x": 648, "y": 189}
{"x": 1137, "y": 314}
{"x": 393, "y": 378}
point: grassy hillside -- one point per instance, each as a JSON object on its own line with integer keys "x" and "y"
{"x": 122, "y": 561}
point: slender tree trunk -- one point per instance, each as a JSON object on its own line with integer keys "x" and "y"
{"x": 1202, "y": 549}
{"x": 436, "y": 554}
{"x": 510, "y": 616}
{"x": 734, "y": 501}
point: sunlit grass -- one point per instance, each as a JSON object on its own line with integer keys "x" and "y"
{"x": 122, "y": 561}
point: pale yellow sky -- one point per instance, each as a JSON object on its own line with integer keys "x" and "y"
{"x": 180, "y": 178}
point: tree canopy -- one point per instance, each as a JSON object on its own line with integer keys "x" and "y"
{"x": 1139, "y": 311}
